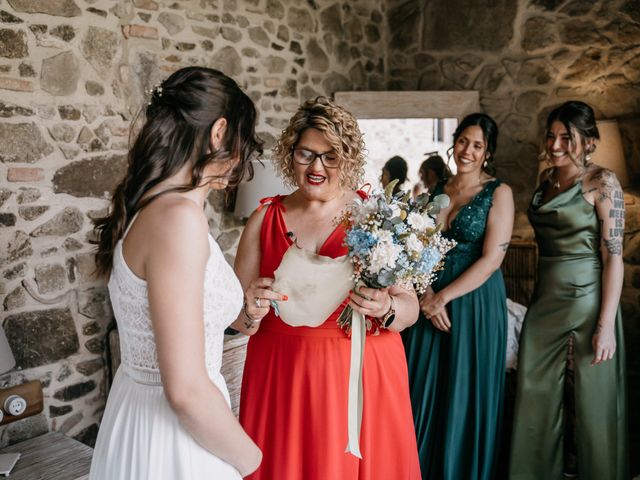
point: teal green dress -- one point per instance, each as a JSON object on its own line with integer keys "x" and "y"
{"x": 566, "y": 301}
{"x": 456, "y": 379}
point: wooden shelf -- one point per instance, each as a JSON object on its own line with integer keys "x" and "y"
{"x": 52, "y": 456}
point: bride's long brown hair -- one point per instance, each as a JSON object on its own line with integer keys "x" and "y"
{"x": 179, "y": 117}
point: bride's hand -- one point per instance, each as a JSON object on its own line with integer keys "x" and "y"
{"x": 258, "y": 298}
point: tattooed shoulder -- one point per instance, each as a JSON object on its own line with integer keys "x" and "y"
{"x": 605, "y": 184}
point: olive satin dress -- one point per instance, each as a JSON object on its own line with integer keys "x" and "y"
{"x": 457, "y": 379}
{"x": 566, "y": 301}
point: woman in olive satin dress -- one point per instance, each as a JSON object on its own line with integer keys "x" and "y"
{"x": 578, "y": 217}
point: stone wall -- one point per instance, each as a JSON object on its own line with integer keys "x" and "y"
{"x": 73, "y": 74}
{"x": 524, "y": 58}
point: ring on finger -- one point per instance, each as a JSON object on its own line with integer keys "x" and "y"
{"x": 258, "y": 304}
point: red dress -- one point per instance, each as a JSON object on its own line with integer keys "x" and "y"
{"x": 293, "y": 400}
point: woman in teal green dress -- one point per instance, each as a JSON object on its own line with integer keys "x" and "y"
{"x": 456, "y": 351}
{"x": 578, "y": 217}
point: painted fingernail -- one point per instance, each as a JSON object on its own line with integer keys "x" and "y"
{"x": 285, "y": 298}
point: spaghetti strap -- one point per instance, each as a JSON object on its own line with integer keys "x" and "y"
{"x": 133, "y": 219}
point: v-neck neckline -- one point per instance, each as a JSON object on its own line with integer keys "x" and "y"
{"x": 282, "y": 209}
{"x": 470, "y": 202}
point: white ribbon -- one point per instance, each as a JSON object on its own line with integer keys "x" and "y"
{"x": 354, "y": 409}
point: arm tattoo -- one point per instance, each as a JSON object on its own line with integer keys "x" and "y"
{"x": 614, "y": 246}
{"x": 607, "y": 183}
{"x": 504, "y": 246}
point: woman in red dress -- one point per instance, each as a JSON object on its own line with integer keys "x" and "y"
{"x": 295, "y": 384}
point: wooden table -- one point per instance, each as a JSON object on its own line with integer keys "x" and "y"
{"x": 52, "y": 456}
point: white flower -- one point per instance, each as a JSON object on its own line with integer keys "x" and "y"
{"x": 383, "y": 255}
{"x": 420, "y": 222}
{"x": 363, "y": 209}
{"x": 429, "y": 222}
{"x": 413, "y": 244}
{"x": 384, "y": 236}
{"x": 395, "y": 210}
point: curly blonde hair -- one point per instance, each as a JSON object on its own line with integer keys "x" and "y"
{"x": 340, "y": 129}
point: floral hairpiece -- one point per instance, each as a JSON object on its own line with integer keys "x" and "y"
{"x": 156, "y": 90}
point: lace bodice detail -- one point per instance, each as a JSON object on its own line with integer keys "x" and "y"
{"x": 469, "y": 225}
{"x": 222, "y": 304}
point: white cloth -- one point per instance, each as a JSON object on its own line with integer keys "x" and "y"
{"x": 515, "y": 313}
{"x": 315, "y": 284}
{"x": 140, "y": 437}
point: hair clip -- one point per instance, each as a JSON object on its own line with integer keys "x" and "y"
{"x": 156, "y": 90}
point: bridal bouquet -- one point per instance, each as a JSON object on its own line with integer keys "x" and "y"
{"x": 394, "y": 240}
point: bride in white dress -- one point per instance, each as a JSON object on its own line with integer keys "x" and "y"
{"x": 168, "y": 413}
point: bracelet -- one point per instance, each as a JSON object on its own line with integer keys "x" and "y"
{"x": 246, "y": 314}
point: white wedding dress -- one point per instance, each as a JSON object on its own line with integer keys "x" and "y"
{"x": 140, "y": 437}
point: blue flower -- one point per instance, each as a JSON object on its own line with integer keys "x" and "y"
{"x": 430, "y": 258}
{"x": 359, "y": 242}
{"x": 400, "y": 228}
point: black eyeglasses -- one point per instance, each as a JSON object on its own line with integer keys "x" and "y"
{"x": 307, "y": 157}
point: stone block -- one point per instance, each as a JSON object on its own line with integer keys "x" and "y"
{"x": 228, "y": 61}
{"x": 26, "y": 70}
{"x": 7, "y": 219}
{"x": 5, "y": 193}
{"x": 24, "y": 174}
{"x": 99, "y": 47}
{"x": 94, "y": 303}
{"x": 64, "y": 372}
{"x": 259, "y": 36}
{"x": 15, "y": 299}
{"x": 231, "y": 34}
{"x": 97, "y": 11}
{"x": 62, "y": 132}
{"x": 9, "y": 110}
{"x": 26, "y": 331}
{"x": 59, "y": 74}
{"x": 50, "y": 277}
{"x": 89, "y": 367}
{"x": 146, "y": 4}
{"x": 27, "y": 195}
{"x": 173, "y": 23}
{"x": 68, "y": 221}
{"x": 32, "y": 212}
{"x": 55, "y": 411}
{"x": 205, "y": 32}
{"x": 94, "y": 177}
{"x": 95, "y": 345}
{"x": 6, "y": 17}
{"x": 93, "y": 88}
{"x": 15, "y": 247}
{"x": 71, "y": 422}
{"x": 318, "y": 59}
{"x": 88, "y": 435}
{"x": 69, "y": 112}
{"x": 140, "y": 31}
{"x": 72, "y": 245}
{"x": 300, "y": 20}
{"x": 12, "y": 273}
{"x": 90, "y": 328}
{"x": 13, "y": 43}
{"x": 539, "y": 32}
{"x": 61, "y": 8}
{"x": 488, "y": 29}
{"x": 64, "y": 32}
{"x": 25, "y": 429}
{"x": 16, "y": 84}
{"x": 22, "y": 142}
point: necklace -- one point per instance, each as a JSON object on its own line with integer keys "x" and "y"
{"x": 555, "y": 182}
